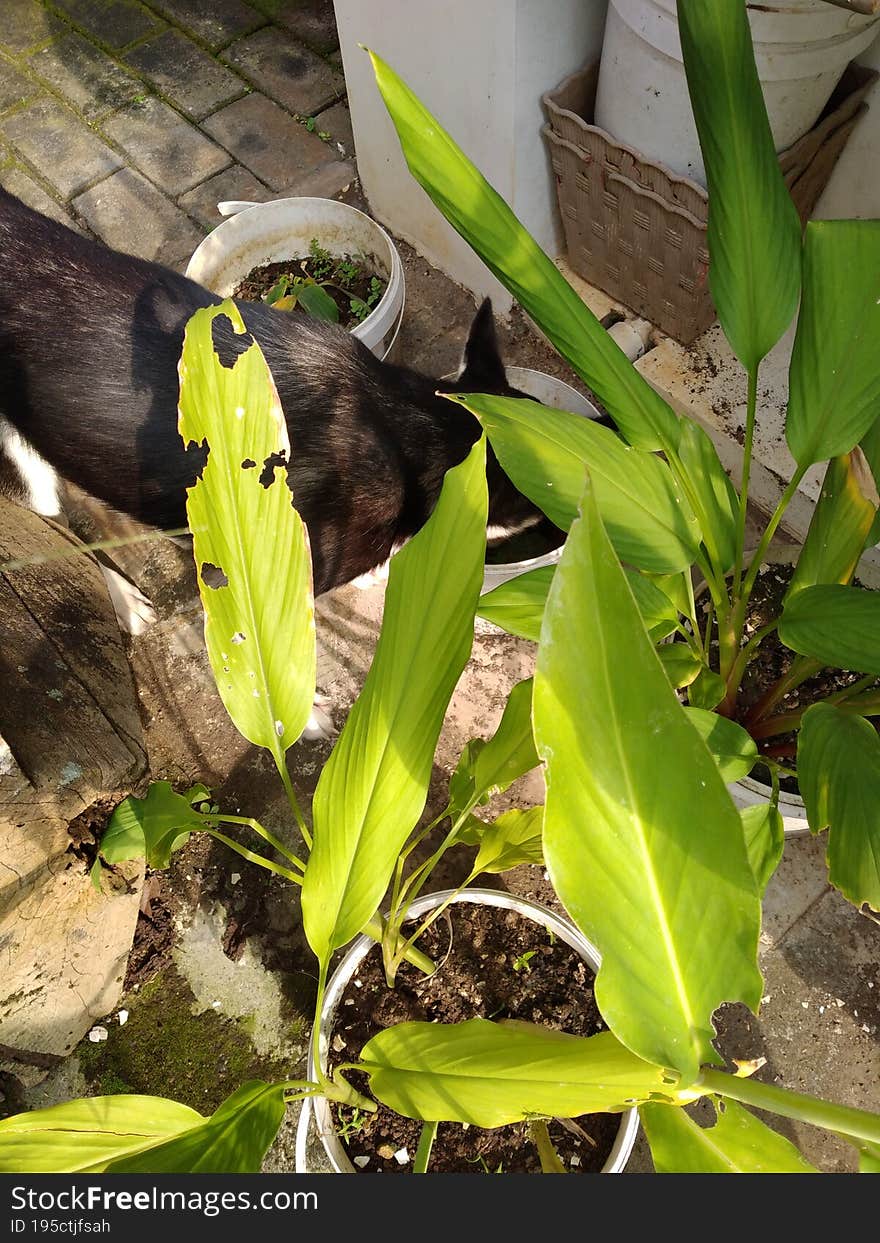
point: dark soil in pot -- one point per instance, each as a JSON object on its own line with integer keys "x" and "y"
{"x": 773, "y": 661}
{"x": 495, "y": 965}
{"x": 355, "y": 288}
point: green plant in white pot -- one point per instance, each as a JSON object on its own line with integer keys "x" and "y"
{"x": 677, "y": 516}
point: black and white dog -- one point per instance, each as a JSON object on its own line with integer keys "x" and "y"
{"x": 89, "y": 344}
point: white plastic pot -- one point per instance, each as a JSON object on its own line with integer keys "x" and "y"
{"x": 801, "y": 49}
{"x": 551, "y": 392}
{"x": 317, "y": 1110}
{"x": 261, "y": 233}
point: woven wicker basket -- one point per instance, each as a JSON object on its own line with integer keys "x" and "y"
{"x": 637, "y": 230}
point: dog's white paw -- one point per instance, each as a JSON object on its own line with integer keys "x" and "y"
{"x": 134, "y": 612}
{"x": 320, "y": 723}
{"x": 364, "y": 582}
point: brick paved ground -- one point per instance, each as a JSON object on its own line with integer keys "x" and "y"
{"x": 131, "y": 119}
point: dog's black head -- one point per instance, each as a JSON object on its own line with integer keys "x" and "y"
{"x": 483, "y": 372}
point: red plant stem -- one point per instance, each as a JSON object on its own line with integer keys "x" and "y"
{"x": 781, "y": 751}
{"x": 802, "y": 669}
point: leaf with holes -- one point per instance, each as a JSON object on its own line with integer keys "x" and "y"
{"x": 249, "y": 543}
{"x": 738, "y": 1143}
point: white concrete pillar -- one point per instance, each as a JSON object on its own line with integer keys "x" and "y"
{"x": 481, "y": 67}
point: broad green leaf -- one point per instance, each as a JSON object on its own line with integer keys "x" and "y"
{"x": 151, "y": 828}
{"x": 707, "y": 690}
{"x": 84, "y": 1136}
{"x": 764, "y": 831}
{"x": 486, "y": 770}
{"x": 839, "y": 779}
{"x": 517, "y": 606}
{"x": 486, "y": 223}
{"x": 373, "y": 788}
{"x": 510, "y": 840}
{"x": 250, "y": 545}
{"x": 716, "y": 495}
{"x": 643, "y": 843}
{"x": 318, "y": 303}
{"x": 680, "y": 664}
{"x": 678, "y": 588}
{"x": 490, "y": 1074}
{"x": 658, "y": 612}
{"x": 834, "y": 377}
{"x": 731, "y": 746}
{"x": 841, "y": 521}
{"x": 546, "y": 452}
{"x": 738, "y": 1143}
{"x": 233, "y": 1140}
{"x": 754, "y": 232}
{"x": 835, "y": 624}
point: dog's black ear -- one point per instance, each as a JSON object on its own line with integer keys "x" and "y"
{"x": 482, "y": 358}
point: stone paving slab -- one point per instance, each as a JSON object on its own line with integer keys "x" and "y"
{"x": 336, "y": 121}
{"x": 85, "y": 75}
{"x": 215, "y": 23}
{"x": 185, "y": 74}
{"x": 26, "y": 24}
{"x": 130, "y": 214}
{"x": 233, "y": 183}
{"x": 312, "y": 22}
{"x": 64, "y": 151}
{"x": 268, "y": 141}
{"x": 15, "y": 87}
{"x": 18, "y": 182}
{"x": 116, "y": 23}
{"x": 173, "y": 153}
{"x": 285, "y": 70}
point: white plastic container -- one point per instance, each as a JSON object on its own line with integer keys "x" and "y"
{"x": 316, "y": 1111}
{"x": 556, "y": 393}
{"x": 259, "y": 233}
{"x": 801, "y": 49}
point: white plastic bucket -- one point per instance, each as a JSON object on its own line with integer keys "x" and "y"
{"x": 317, "y": 1109}
{"x": 551, "y": 392}
{"x": 261, "y": 233}
{"x": 801, "y": 49}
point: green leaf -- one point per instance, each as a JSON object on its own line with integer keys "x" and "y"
{"x": 870, "y": 446}
{"x": 486, "y": 770}
{"x": 731, "y": 746}
{"x": 644, "y": 846}
{"x": 764, "y": 831}
{"x": 834, "y": 377}
{"x": 754, "y": 232}
{"x": 658, "y": 612}
{"x": 678, "y": 589}
{"x": 841, "y": 521}
{"x": 869, "y": 1158}
{"x": 486, "y": 223}
{"x": 373, "y": 788}
{"x": 318, "y": 303}
{"x": 738, "y": 1143}
{"x": 839, "y": 779}
{"x": 517, "y": 606}
{"x": 838, "y": 625}
{"x": 151, "y": 828}
{"x": 546, "y": 452}
{"x": 707, "y": 690}
{"x": 716, "y": 494}
{"x": 680, "y": 664}
{"x": 510, "y": 840}
{"x": 233, "y": 1140}
{"x": 250, "y": 545}
{"x": 491, "y": 1074}
{"x": 84, "y": 1136}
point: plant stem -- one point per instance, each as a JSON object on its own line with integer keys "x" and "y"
{"x": 852, "y": 1124}
{"x": 252, "y": 857}
{"x": 426, "y": 1143}
{"x": 751, "y": 405}
{"x": 741, "y": 663}
{"x": 281, "y": 763}
{"x": 860, "y": 705}
{"x": 434, "y": 915}
{"x": 540, "y": 1136}
{"x": 261, "y": 832}
{"x": 374, "y": 930}
{"x": 802, "y": 668}
{"x": 770, "y": 531}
